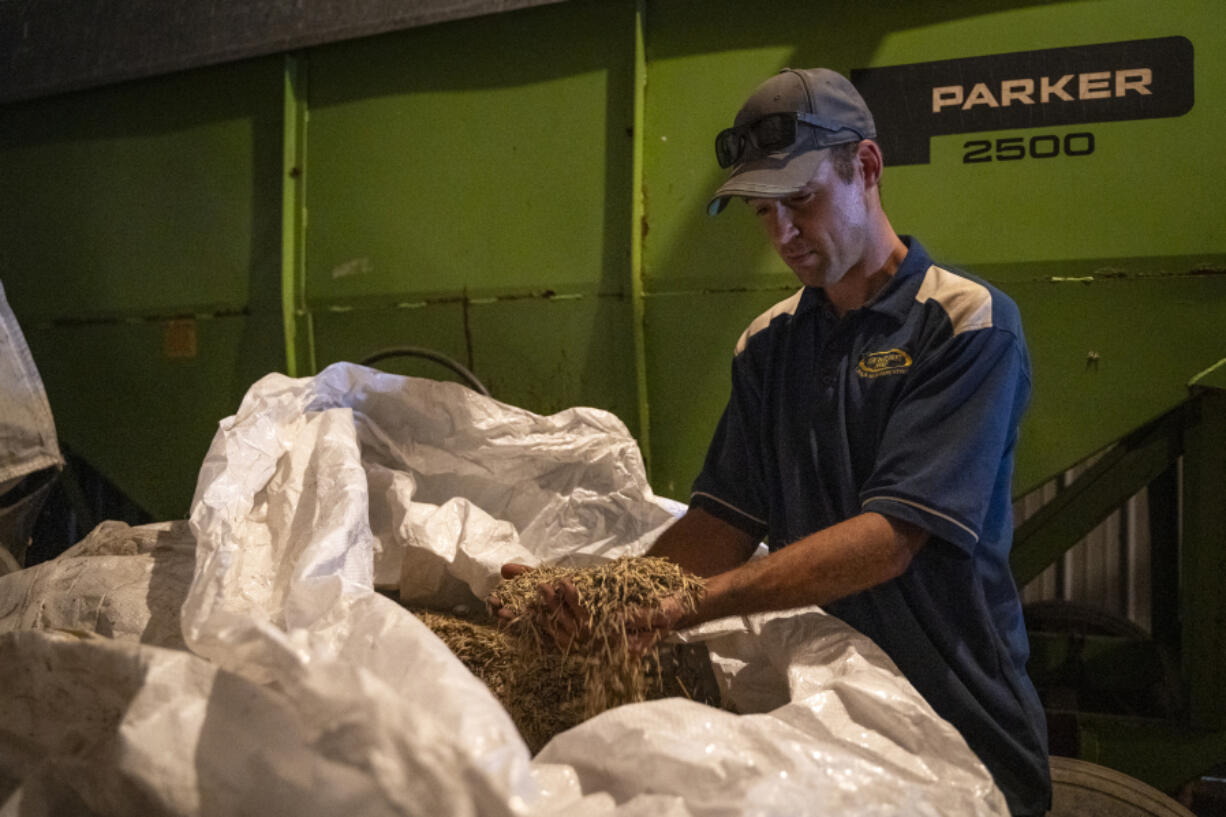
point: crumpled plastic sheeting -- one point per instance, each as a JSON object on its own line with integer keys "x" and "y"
{"x": 27, "y": 431}
{"x": 326, "y": 697}
{"x": 838, "y": 731}
{"x": 122, "y": 582}
{"x": 112, "y": 727}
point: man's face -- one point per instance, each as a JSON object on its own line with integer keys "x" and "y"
{"x": 821, "y": 231}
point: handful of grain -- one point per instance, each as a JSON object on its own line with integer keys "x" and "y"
{"x": 545, "y": 691}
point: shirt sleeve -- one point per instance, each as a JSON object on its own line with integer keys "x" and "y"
{"x": 947, "y": 448}
{"x": 730, "y": 485}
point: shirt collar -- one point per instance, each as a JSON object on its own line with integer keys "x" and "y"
{"x": 895, "y": 297}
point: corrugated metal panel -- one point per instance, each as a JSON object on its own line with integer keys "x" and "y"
{"x": 51, "y": 46}
{"x": 1110, "y": 568}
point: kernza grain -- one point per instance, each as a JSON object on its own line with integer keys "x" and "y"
{"x": 547, "y": 691}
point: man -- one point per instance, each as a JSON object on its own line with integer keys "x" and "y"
{"x": 869, "y": 436}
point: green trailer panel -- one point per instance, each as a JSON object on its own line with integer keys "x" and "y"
{"x": 131, "y": 399}
{"x": 547, "y": 355}
{"x": 470, "y": 157}
{"x": 124, "y": 209}
{"x": 156, "y": 197}
{"x": 1108, "y": 355}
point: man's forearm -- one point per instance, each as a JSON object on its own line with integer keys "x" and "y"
{"x": 854, "y": 555}
{"x": 704, "y": 544}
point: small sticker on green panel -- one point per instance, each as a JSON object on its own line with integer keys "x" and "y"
{"x": 179, "y": 339}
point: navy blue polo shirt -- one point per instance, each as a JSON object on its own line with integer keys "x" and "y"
{"x": 909, "y": 407}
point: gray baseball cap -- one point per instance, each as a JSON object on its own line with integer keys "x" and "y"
{"x": 828, "y": 111}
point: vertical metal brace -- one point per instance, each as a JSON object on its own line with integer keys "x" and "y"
{"x": 1164, "y": 558}
{"x": 1203, "y": 562}
{"x": 637, "y": 229}
{"x": 299, "y": 332}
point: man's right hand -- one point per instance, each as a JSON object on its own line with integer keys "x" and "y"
{"x": 494, "y": 605}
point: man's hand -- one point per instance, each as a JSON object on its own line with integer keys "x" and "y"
{"x": 564, "y": 619}
{"x": 561, "y": 616}
{"x": 494, "y": 604}
{"x": 647, "y": 627}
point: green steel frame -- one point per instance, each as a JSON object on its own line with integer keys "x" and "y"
{"x": 638, "y": 229}
{"x": 1188, "y": 572}
{"x": 299, "y": 337}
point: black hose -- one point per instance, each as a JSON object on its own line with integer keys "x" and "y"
{"x": 428, "y": 354}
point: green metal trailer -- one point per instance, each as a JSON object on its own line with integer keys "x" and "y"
{"x": 525, "y": 193}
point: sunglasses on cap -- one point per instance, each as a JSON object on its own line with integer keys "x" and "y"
{"x": 770, "y": 133}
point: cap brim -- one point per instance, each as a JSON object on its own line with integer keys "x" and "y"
{"x": 770, "y": 177}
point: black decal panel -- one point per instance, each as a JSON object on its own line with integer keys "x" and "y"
{"x": 1108, "y": 82}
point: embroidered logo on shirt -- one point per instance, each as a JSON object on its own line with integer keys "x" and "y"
{"x": 878, "y": 364}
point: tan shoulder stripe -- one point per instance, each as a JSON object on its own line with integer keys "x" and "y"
{"x": 968, "y": 304}
{"x": 784, "y": 307}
